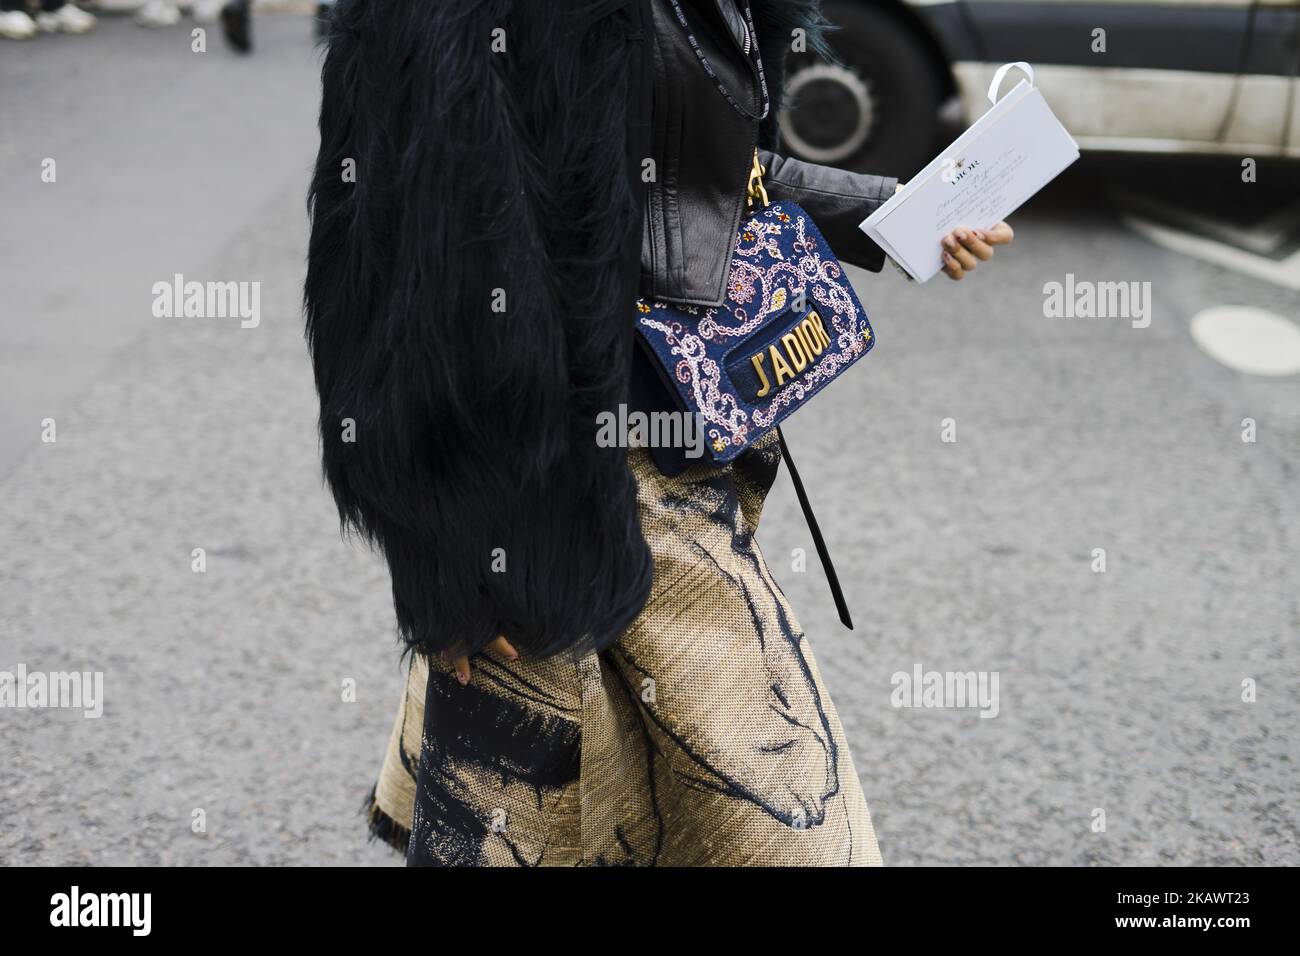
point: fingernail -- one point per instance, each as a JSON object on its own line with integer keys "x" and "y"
{"x": 978, "y": 234}
{"x": 961, "y": 234}
{"x": 947, "y": 242}
{"x": 463, "y": 678}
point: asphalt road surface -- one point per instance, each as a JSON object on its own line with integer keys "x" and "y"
{"x": 1119, "y": 692}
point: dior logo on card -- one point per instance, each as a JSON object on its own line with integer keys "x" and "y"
{"x": 789, "y": 355}
{"x": 955, "y": 169}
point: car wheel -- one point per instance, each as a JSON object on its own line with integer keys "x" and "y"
{"x": 877, "y": 109}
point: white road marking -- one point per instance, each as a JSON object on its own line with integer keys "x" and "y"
{"x": 1285, "y": 273}
{"x": 1249, "y": 340}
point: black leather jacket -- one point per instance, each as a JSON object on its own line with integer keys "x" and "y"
{"x": 703, "y": 149}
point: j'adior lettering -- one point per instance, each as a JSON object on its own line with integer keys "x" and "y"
{"x": 792, "y": 353}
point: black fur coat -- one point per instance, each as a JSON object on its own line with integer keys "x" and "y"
{"x": 474, "y": 253}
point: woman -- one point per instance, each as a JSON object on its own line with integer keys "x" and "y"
{"x": 604, "y": 670}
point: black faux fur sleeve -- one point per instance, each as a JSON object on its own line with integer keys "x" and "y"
{"x": 472, "y": 263}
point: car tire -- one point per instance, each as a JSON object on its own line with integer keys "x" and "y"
{"x": 877, "y": 110}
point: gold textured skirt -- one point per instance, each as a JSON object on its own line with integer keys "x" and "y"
{"x": 704, "y": 737}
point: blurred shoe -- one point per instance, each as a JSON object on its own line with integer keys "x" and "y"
{"x": 69, "y": 18}
{"x": 235, "y": 22}
{"x": 207, "y": 11}
{"x": 158, "y": 13}
{"x": 16, "y": 25}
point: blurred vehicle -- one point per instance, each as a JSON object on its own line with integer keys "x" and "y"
{"x": 1200, "y": 76}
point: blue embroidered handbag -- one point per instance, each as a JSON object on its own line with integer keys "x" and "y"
{"x": 790, "y": 324}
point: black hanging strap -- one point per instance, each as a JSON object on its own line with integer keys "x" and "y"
{"x": 818, "y": 541}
